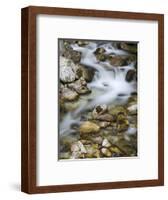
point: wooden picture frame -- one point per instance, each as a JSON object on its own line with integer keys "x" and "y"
{"x": 28, "y": 76}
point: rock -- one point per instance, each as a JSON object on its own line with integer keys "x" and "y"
{"x": 128, "y": 148}
{"x": 122, "y": 125}
{"x": 69, "y": 71}
{"x": 68, "y": 94}
{"x": 85, "y": 142}
{"x": 133, "y": 98}
{"x": 106, "y": 152}
{"x": 98, "y": 110}
{"x": 89, "y": 127}
{"x": 80, "y": 86}
{"x": 106, "y": 117}
{"x": 100, "y": 50}
{"x": 115, "y": 150}
{"x": 101, "y": 57}
{"x": 67, "y": 74}
{"x": 103, "y": 124}
{"x": 82, "y": 42}
{"x": 117, "y": 60}
{"x": 132, "y": 48}
{"x": 64, "y": 155}
{"x": 76, "y": 155}
{"x": 132, "y": 109}
{"x": 75, "y": 147}
{"x": 106, "y": 143}
{"x": 78, "y": 147}
{"x": 116, "y": 110}
{"x": 97, "y": 140}
{"x": 121, "y": 60}
{"x": 71, "y": 54}
{"x": 130, "y": 76}
{"x": 87, "y": 73}
{"x": 100, "y": 54}
{"x": 131, "y": 131}
{"x": 75, "y": 56}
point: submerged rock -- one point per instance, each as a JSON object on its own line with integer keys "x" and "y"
{"x": 89, "y": 127}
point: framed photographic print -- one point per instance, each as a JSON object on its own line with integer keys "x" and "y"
{"x": 92, "y": 99}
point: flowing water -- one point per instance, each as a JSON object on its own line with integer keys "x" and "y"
{"x": 108, "y": 86}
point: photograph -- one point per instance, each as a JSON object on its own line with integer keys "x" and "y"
{"x": 97, "y": 99}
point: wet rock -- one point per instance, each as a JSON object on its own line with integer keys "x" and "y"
{"x": 131, "y": 131}
{"x": 82, "y": 43}
{"x": 132, "y": 48}
{"x": 80, "y": 86}
{"x": 78, "y": 147}
{"x": 122, "y": 123}
{"x": 106, "y": 152}
{"x": 85, "y": 142}
{"x": 101, "y": 57}
{"x": 64, "y": 155}
{"x": 67, "y": 73}
{"x": 73, "y": 55}
{"x": 130, "y": 76}
{"x": 97, "y": 140}
{"x": 99, "y": 50}
{"x": 68, "y": 94}
{"x": 105, "y": 117}
{"x": 87, "y": 73}
{"x": 98, "y": 110}
{"x": 132, "y": 109}
{"x": 91, "y": 150}
{"x": 127, "y": 148}
{"x": 121, "y": 60}
{"x": 116, "y": 60}
{"x": 115, "y": 150}
{"x": 132, "y": 99}
{"x": 89, "y": 127}
{"x": 106, "y": 143}
{"x": 116, "y": 110}
{"x": 100, "y": 54}
{"x": 104, "y": 124}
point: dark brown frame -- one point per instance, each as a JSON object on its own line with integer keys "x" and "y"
{"x": 28, "y": 56}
